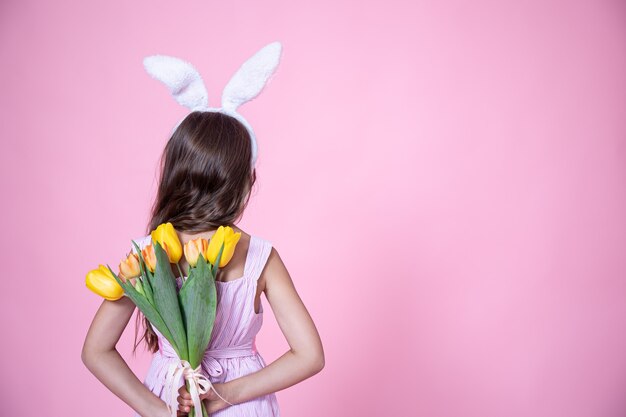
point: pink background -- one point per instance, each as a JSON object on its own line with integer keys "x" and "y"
{"x": 445, "y": 181}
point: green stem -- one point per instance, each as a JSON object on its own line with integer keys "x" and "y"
{"x": 180, "y": 271}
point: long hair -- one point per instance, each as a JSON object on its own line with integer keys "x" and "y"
{"x": 205, "y": 181}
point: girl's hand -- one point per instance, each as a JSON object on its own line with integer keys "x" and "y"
{"x": 211, "y": 401}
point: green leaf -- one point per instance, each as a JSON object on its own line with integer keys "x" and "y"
{"x": 216, "y": 267}
{"x": 147, "y": 287}
{"x": 199, "y": 302}
{"x": 144, "y": 273}
{"x": 166, "y": 299}
{"x": 147, "y": 309}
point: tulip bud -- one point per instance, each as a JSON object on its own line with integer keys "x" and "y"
{"x": 129, "y": 267}
{"x": 150, "y": 257}
{"x": 139, "y": 287}
{"x": 166, "y": 235}
{"x": 229, "y": 238}
{"x": 194, "y": 248}
{"x": 102, "y": 282}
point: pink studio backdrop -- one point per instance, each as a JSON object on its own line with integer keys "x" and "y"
{"x": 446, "y": 182}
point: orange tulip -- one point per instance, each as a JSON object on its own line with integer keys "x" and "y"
{"x": 150, "y": 257}
{"x": 129, "y": 267}
{"x": 194, "y": 248}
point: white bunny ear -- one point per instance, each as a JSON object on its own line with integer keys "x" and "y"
{"x": 251, "y": 77}
{"x": 180, "y": 77}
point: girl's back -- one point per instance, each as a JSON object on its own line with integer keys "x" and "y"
{"x": 232, "y": 351}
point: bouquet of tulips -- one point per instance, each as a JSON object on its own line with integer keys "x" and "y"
{"x": 185, "y": 317}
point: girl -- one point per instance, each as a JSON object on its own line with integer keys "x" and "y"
{"x": 205, "y": 181}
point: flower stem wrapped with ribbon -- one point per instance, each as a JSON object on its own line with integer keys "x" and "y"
{"x": 185, "y": 317}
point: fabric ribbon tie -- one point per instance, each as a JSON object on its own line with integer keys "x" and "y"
{"x": 198, "y": 384}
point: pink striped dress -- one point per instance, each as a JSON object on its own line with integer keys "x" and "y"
{"x": 232, "y": 349}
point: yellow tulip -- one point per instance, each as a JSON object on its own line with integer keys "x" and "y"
{"x": 102, "y": 282}
{"x": 224, "y": 235}
{"x": 129, "y": 267}
{"x": 150, "y": 257}
{"x": 166, "y": 235}
{"x": 194, "y": 248}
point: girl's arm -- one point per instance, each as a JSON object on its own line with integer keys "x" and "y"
{"x": 306, "y": 356}
{"x": 103, "y": 360}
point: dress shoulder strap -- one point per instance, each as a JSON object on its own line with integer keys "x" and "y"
{"x": 258, "y": 253}
{"x": 142, "y": 242}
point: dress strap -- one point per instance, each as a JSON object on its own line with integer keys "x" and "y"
{"x": 258, "y": 252}
{"x": 142, "y": 242}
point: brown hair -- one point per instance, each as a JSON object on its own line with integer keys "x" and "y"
{"x": 205, "y": 181}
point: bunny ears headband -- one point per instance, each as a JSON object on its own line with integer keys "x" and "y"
{"x": 186, "y": 85}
